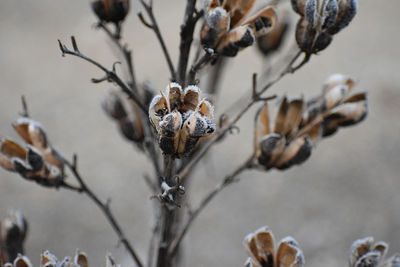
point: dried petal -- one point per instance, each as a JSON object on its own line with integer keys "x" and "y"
{"x": 175, "y": 95}
{"x": 280, "y": 120}
{"x": 338, "y": 79}
{"x": 293, "y": 116}
{"x": 81, "y": 259}
{"x": 238, "y": 10}
{"x": 271, "y": 148}
{"x": 271, "y": 41}
{"x": 289, "y": 254}
{"x": 370, "y": 259}
{"x": 233, "y": 41}
{"x": 298, "y": 151}
{"x": 158, "y": 108}
{"x": 191, "y": 98}
{"x": 265, "y": 246}
{"x": 262, "y": 125}
{"x": 263, "y": 21}
{"x": 359, "y": 248}
{"x": 381, "y": 247}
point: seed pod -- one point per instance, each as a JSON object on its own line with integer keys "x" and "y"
{"x": 309, "y": 40}
{"x": 347, "y": 11}
{"x": 260, "y": 246}
{"x": 272, "y": 40}
{"x": 296, "y": 152}
{"x": 370, "y": 259}
{"x": 271, "y": 148}
{"x": 216, "y": 25}
{"x": 393, "y": 261}
{"x": 289, "y": 254}
{"x": 48, "y": 259}
{"x": 240, "y": 37}
{"x": 111, "y": 10}
{"x": 112, "y": 105}
{"x": 359, "y": 248}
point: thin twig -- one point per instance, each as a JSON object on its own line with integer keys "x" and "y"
{"x": 201, "y": 63}
{"x": 228, "y": 180}
{"x": 187, "y": 30}
{"x": 104, "y": 207}
{"x": 111, "y": 75}
{"x": 124, "y": 50}
{"x": 156, "y": 29}
{"x": 25, "y": 112}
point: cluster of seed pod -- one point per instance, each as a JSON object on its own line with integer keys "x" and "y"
{"x": 13, "y": 230}
{"x": 227, "y": 29}
{"x": 364, "y": 252}
{"x": 38, "y": 161}
{"x": 111, "y": 10}
{"x": 298, "y": 125}
{"x": 320, "y": 20}
{"x": 49, "y": 260}
{"x": 127, "y": 115}
{"x": 181, "y": 118}
{"x": 261, "y": 247}
{"x": 272, "y": 41}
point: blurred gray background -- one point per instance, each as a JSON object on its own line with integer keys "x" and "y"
{"x": 348, "y": 189}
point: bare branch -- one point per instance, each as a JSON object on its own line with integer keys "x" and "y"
{"x": 228, "y": 180}
{"x": 154, "y": 27}
{"x": 110, "y": 74}
{"x": 104, "y": 207}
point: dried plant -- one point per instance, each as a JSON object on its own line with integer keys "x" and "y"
{"x": 176, "y": 127}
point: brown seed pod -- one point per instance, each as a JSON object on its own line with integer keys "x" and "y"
{"x": 227, "y": 29}
{"x": 261, "y": 247}
{"x": 111, "y": 10}
{"x": 181, "y": 118}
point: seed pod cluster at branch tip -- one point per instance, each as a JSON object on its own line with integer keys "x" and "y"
{"x": 127, "y": 114}
{"x": 227, "y": 29}
{"x": 320, "y": 20}
{"x": 364, "y": 252}
{"x": 181, "y": 118}
{"x": 261, "y": 247}
{"x": 49, "y": 260}
{"x": 272, "y": 41}
{"x": 13, "y": 231}
{"x": 111, "y": 10}
{"x": 298, "y": 124}
{"x": 38, "y": 161}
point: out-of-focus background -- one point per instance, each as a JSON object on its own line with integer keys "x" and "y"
{"x": 348, "y": 189}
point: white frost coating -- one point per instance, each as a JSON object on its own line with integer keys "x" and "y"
{"x": 193, "y": 88}
{"x": 173, "y": 85}
{"x": 215, "y": 15}
{"x": 154, "y": 102}
{"x": 290, "y": 241}
{"x": 23, "y": 258}
{"x": 209, "y": 105}
{"x": 25, "y": 120}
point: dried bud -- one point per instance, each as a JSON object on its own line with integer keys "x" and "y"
{"x": 12, "y": 235}
{"x": 261, "y": 247}
{"x": 181, "y": 118}
{"x": 127, "y": 114}
{"x": 111, "y": 10}
{"x": 226, "y": 29}
{"x": 272, "y": 41}
{"x": 364, "y": 252}
{"x": 320, "y": 19}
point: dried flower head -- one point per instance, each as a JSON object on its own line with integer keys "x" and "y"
{"x": 364, "y": 252}
{"x": 127, "y": 114}
{"x": 181, "y": 118}
{"x": 288, "y": 139}
{"x": 13, "y": 230}
{"x": 272, "y": 41}
{"x": 38, "y": 161}
{"x": 111, "y": 10}
{"x": 261, "y": 247}
{"x": 227, "y": 29}
{"x": 320, "y": 20}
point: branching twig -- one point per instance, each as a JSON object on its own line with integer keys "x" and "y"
{"x": 187, "y": 30}
{"x": 124, "y": 50}
{"x": 104, "y": 207}
{"x": 111, "y": 75}
{"x": 203, "y": 61}
{"x": 154, "y": 26}
{"x": 228, "y": 180}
